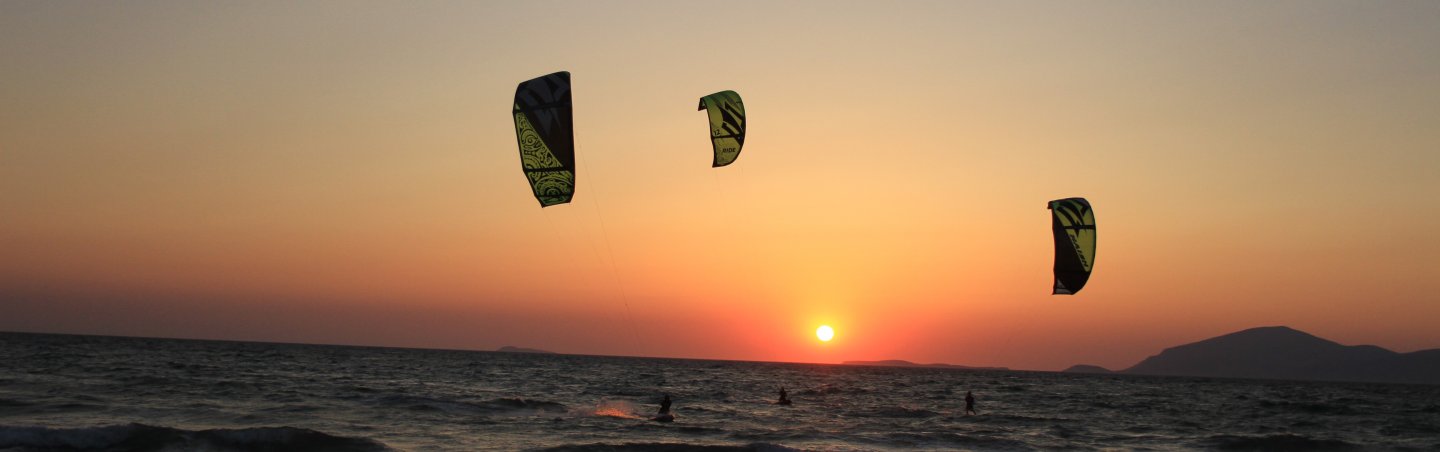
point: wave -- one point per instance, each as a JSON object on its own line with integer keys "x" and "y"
{"x": 951, "y": 440}
{"x": 518, "y": 404}
{"x": 1276, "y": 442}
{"x": 76, "y": 406}
{"x": 147, "y": 380}
{"x": 500, "y": 406}
{"x": 1310, "y": 407}
{"x": 288, "y": 408}
{"x": 14, "y": 403}
{"x": 831, "y": 389}
{"x": 140, "y": 437}
{"x": 621, "y": 392}
{"x": 668, "y": 447}
{"x": 1016, "y": 418}
{"x": 897, "y": 411}
{"x": 774, "y": 436}
{"x": 514, "y": 406}
{"x": 697, "y": 430}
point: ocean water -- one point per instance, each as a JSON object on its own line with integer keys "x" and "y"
{"x": 62, "y": 392}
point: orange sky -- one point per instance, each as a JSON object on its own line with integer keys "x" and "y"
{"x": 346, "y": 172}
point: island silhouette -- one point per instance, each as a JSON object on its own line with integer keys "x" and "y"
{"x": 903, "y": 363}
{"x": 1284, "y": 353}
{"x": 514, "y": 349}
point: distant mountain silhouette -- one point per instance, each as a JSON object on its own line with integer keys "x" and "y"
{"x": 1279, "y": 352}
{"x": 1087, "y": 369}
{"x": 903, "y": 363}
{"x": 510, "y": 349}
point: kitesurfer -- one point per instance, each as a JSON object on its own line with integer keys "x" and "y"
{"x": 784, "y": 398}
{"x": 969, "y": 403}
{"x": 664, "y": 415}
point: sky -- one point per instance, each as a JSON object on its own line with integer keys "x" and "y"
{"x": 346, "y": 172}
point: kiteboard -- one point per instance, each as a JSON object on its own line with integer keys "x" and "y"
{"x": 664, "y": 418}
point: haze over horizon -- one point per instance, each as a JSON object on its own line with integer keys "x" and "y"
{"x": 346, "y": 173}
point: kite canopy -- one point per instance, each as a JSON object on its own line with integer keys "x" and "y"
{"x": 1073, "y": 223}
{"x": 727, "y": 125}
{"x": 546, "y": 133}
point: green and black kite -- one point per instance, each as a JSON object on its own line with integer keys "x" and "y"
{"x": 546, "y": 132}
{"x": 1073, "y": 224}
{"x": 727, "y": 125}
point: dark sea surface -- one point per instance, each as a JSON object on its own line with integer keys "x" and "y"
{"x": 62, "y": 392}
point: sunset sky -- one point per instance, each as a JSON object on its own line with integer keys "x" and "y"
{"x": 346, "y": 172}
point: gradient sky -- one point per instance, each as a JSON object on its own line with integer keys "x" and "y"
{"x": 346, "y": 172}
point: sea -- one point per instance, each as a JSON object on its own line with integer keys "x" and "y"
{"x": 98, "y": 393}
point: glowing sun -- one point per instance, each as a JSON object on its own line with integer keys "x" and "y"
{"x": 825, "y": 333}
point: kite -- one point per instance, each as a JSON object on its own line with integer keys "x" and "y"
{"x": 727, "y": 125}
{"x": 546, "y": 134}
{"x": 1073, "y": 223}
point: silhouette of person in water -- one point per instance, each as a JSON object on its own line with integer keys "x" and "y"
{"x": 784, "y": 398}
{"x": 969, "y": 403}
{"x": 665, "y": 405}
